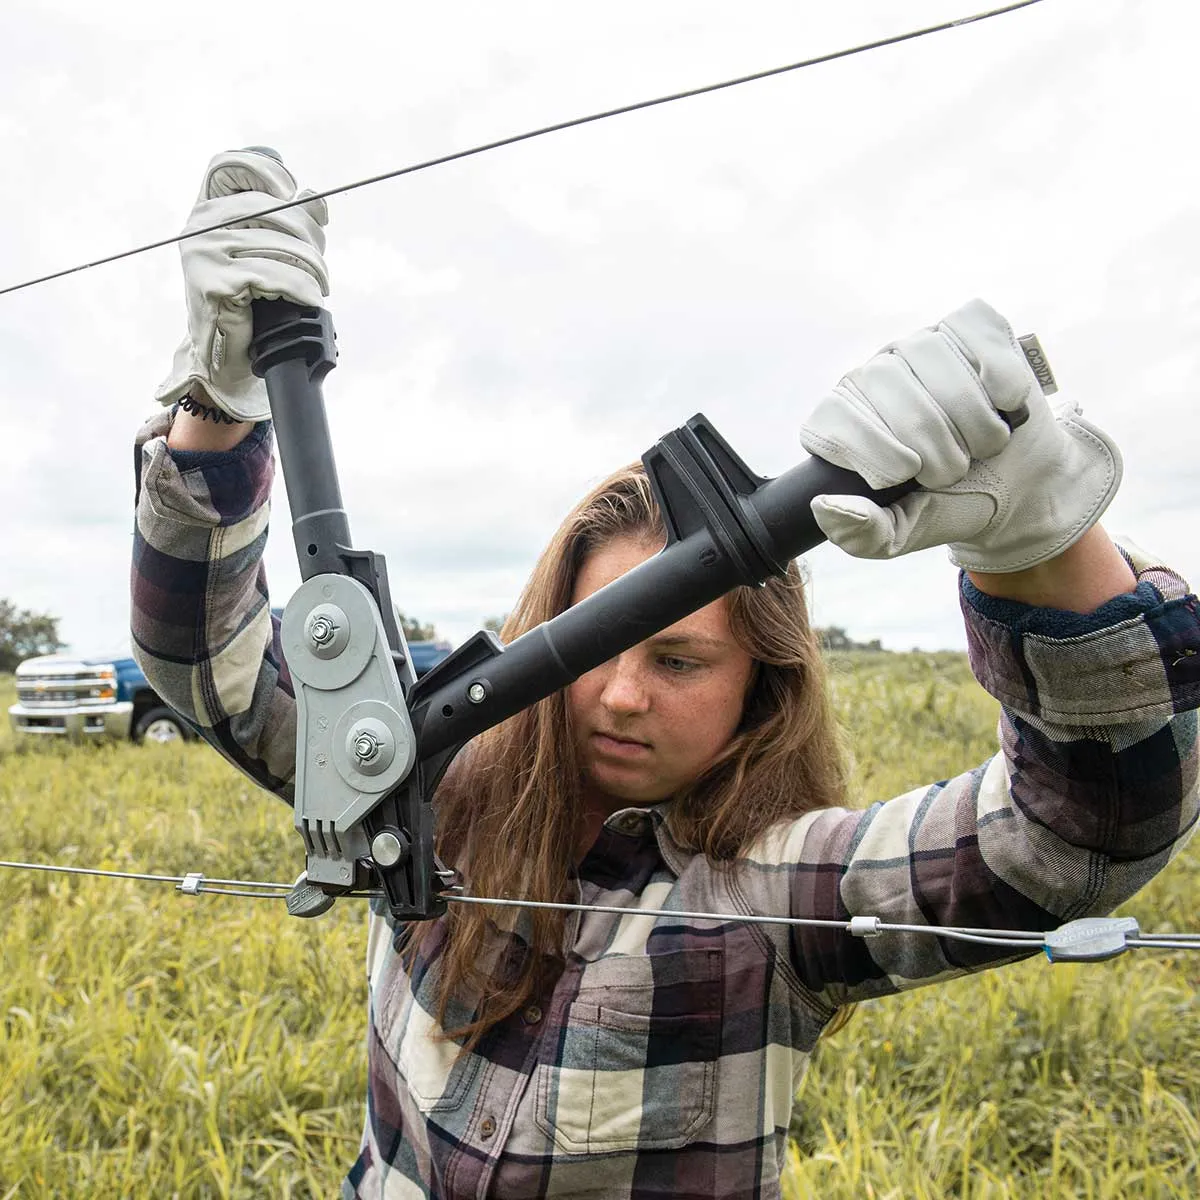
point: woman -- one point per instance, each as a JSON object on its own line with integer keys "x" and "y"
{"x": 528, "y": 1053}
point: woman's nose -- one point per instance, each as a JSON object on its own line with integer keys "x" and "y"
{"x": 624, "y": 688}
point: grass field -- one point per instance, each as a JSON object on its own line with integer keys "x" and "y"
{"x": 158, "y": 1046}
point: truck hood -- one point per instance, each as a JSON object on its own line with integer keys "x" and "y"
{"x": 53, "y": 663}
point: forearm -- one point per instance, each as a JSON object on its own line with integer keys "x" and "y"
{"x": 1081, "y": 579}
{"x": 190, "y": 431}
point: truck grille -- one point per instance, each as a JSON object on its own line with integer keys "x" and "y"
{"x": 62, "y": 691}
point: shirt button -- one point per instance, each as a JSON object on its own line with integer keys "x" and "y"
{"x": 487, "y": 1127}
{"x": 532, "y": 1015}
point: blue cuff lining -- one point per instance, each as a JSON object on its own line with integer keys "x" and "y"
{"x": 191, "y": 460}
{"x": 1057, "y": 622}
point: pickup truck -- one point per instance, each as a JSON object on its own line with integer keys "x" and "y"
{"x": 95, "y": 698}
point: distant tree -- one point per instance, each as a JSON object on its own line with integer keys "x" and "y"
{"x": 24, "y": 633}
{"x": 415, "y": 631}
{"x": 495, "y": 624}
{"x": 834, "y": 637}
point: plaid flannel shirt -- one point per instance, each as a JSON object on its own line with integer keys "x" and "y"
{"x": 665, "y": 1058}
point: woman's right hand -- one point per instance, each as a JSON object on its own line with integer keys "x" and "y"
{"x": 250, "y": 258}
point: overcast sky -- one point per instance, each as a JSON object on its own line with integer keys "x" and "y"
{"x": 513, "y": 326}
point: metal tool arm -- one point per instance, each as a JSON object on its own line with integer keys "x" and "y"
{"x": 350, "y": 667}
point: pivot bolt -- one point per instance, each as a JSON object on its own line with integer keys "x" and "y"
{"x": 366, "y": 747}
{"x": 477, "y": 693}
{"x": 322, "y": 630}
{"x": 328, "y": 630}
{"x": 370, "y": 746}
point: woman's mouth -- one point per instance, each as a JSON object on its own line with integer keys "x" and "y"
{"x": 613, "y": 746}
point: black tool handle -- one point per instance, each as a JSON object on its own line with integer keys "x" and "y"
{"x": 294, "y": 348}
{"x": 683, "y": 577}
{"x": 731, "y": 528}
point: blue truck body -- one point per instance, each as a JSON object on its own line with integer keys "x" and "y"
{"x": 107, "y": 696}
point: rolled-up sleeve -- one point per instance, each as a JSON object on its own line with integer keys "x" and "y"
{"x": 201, "y": 620}
{"x": 1092, "y": 793}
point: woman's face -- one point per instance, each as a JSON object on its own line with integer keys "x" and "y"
{"x": 650, "y": 720}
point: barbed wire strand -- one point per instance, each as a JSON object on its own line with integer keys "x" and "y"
{"x": 196, "y": 883}
{"x": 557, "y": 127}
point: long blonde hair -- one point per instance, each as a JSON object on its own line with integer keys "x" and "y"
{"x": 510, "y": 815}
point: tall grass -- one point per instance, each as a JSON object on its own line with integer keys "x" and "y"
{"x": 156, "y": 1045}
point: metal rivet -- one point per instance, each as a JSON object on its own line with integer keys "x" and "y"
{"x": 477, "y": 693}
{"x": 387, "y": 849}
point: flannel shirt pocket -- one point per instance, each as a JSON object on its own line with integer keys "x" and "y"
{"x": 438, "y": 1077}
{"x": 637, "y": 1055}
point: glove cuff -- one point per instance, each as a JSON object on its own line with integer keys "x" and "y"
{"x": 1039, "y": 528}
{"x": 247, "y": 403}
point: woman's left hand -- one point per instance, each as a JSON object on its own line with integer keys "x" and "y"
{"x": 932, "y": 407}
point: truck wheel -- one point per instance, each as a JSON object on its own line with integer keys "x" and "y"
{"x": 158, "y": 725}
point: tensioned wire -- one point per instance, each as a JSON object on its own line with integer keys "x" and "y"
{"x": 863, "y": 926}
{"x": 513, "y": 139}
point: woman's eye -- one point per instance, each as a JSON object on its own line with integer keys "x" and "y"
{"x": 677, "y": 666}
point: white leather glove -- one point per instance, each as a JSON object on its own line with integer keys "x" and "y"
{"x": 223, "y": 271}
{"x": 928, "y": 408}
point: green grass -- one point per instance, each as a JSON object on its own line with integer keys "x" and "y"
{"x": 157, "y": 1046}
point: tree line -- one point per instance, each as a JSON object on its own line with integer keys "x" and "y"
{"x": 831, "y": 637}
